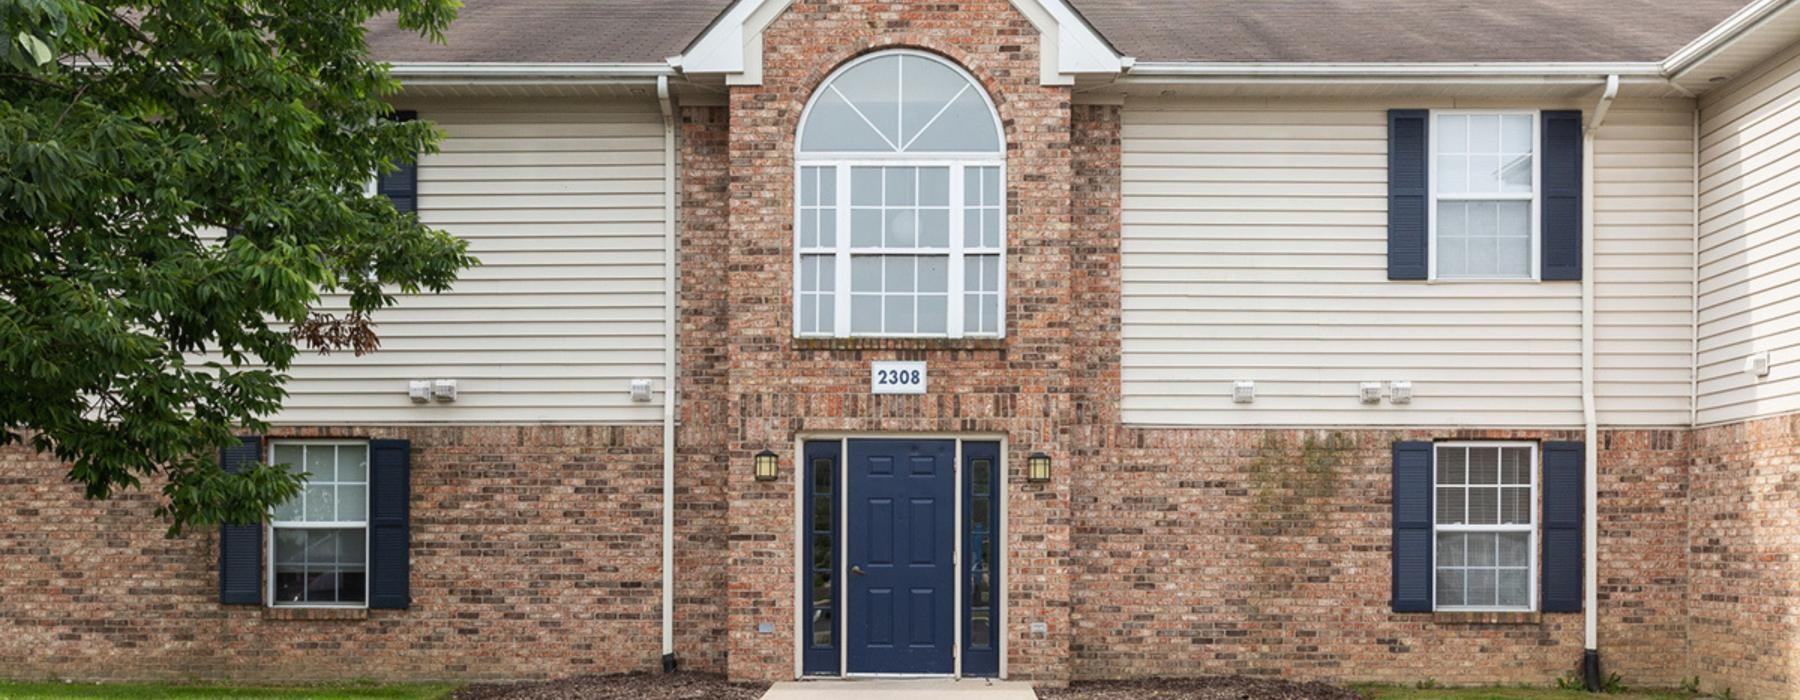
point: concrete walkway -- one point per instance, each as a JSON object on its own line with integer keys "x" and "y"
{"x": 967, "y": 689}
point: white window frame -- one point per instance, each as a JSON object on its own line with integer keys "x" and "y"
{"x": 1536, "y": 197}
{"x": 958, "y": 163}
{"x": 273, "y": 524}
{"x": 1533, "y": 575}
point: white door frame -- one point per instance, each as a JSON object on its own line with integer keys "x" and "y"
{"x": 801, "y": 604}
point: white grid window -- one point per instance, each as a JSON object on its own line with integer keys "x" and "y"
{"x": 318, "y": 554}
{"x": 1486, "y": 539}
{"x": 900, "y": 204}
{"x": 1485, "y": 187}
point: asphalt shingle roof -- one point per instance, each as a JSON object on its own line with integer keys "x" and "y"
{"x": 647, "y": 31}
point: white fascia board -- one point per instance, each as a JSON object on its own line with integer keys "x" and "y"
{"x": 1078, "y": 48}
{"x": 721, "y": 48}
{"x": 595, "y": 73}
{"x": 1722, "y": 36}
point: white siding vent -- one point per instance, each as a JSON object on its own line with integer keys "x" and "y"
{"x": 1757, "y": 365}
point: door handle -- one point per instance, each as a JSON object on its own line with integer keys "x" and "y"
{"x": 858, "y": 571}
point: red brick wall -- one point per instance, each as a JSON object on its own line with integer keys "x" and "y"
{"x": 1268, "y": 552}
{"x": 1744, "y": 539}
{"x": 702, "y": 365}
{"x": 535, "y": 554}
{"x": 779, "y": 387}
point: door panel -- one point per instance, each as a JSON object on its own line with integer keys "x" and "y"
{"x": 901, "y": 585}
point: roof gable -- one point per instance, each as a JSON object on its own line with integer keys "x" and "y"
{"x": 1068, "y": 46}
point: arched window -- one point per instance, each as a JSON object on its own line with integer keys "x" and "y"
{"x": 900, "y": 214}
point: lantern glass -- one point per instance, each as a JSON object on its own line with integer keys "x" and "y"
{"x": 1038, "y": 467}
{"x": 767, "y": 466}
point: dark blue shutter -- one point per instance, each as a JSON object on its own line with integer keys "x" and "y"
{"x": 1409, "y": 170}
{"x": 402, "y": 186}
{"x": 1561, "y": 209}
{"x": 390, "y": 497}
{"x": 240, "y": 546}
{"x": 1564, "y": 474}
{"x": 1413, "y": 577}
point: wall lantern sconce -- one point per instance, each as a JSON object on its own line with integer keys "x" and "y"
{"x": 1037, "y": 467}
{"x": 767, "y": 466}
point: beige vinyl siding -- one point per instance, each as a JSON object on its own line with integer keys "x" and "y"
{"x": 562, "y": 200}
{"x": 1255, "y": 248}
{"x": 1750, "y": 242}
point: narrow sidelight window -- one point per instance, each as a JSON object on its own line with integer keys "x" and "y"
{"x": 1486, "y": 510}
{"x": 319, "y": 552}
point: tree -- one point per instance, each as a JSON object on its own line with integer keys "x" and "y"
{"x": 135, "y": 340}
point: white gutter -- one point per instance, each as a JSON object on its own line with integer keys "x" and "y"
{"x": 1721, "y": 36}
{"x": 668, "y": 417}
{"x": 526, "y": 74}
{"x": 639, "y": 71}
{"x": 1589, "y": 413}
{"x": 1467, "y": 72}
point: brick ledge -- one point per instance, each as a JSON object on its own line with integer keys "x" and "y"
{"x": 914, "y": 344}
{"x": 316, "y": 614}
{"x": 1487, "y": 618}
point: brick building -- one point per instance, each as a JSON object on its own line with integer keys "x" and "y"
{"x": 1029, "y": 338}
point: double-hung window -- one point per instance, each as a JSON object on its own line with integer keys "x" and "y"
{"x": 1484, "y": 195}
{"x": 900, "y": 204}
{"x": 1485, "y": 534}
{"x": 319, "y": 552}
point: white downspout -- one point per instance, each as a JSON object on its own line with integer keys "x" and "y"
{"x": 668, "y": 418}
{"x": 1694, "y": 361}
{"x": 1590, "y": 606}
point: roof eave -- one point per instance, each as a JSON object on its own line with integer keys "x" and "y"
{"x": 1721, "y": 36}
{"x": 423, "y": 73}
{"x": 1151, "y": 71}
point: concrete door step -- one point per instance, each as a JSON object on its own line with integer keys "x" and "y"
{"x": 885, "y": 689}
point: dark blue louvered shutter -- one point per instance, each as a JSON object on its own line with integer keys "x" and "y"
{"x": 402, "y": 186}
{"x": 1564, "y": 476}
{"x": 1412, "y": 527}
{"x": 1561, "y": 212}
{"x": 390, "y": 530}
{"x": 240, "y": 546}
{"x": 1409, "y": 170}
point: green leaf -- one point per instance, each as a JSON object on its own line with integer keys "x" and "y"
{"x": 38, "y": 50}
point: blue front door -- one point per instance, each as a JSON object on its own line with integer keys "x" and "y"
{"x": 900, "y": 590}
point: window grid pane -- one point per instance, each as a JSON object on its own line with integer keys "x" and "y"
{"x": 318, "y": 544}
{"x": 1484, "y": 492}
{"x": 898, "y": 251}
{"x": 1486, "y": 180}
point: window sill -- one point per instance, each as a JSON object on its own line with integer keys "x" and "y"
{"x": 315, "y": 614}
{"x": 922, "y": 344}
{"x": 1487, "y": 618}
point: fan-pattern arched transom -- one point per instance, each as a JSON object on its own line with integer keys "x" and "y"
{"x": 900, "y": 203}
{"x": 900, "y": 102}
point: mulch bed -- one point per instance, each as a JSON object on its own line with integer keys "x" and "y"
{"x": 632, "y": 686}
{"x": 1213, "y": 688}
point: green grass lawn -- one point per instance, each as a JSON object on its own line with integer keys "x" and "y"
{"x": 164, "y": 691}
{"x": 1388, "y": 692}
